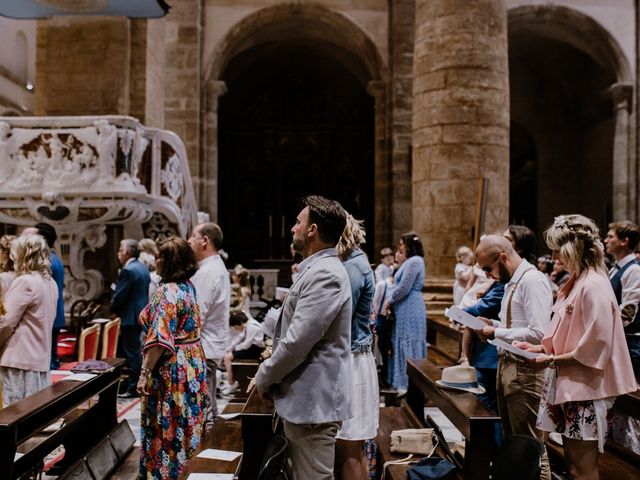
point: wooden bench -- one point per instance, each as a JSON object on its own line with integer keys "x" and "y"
{"x": 225, "y": 435}
{"x": 465, "y": 411}
{"x": 83, "y": 430}
{"x": 243, "y": 371}
{"x": 395, "y": 418}
{"x": 257, "y": 417}
{"x": 476, "y": 423}
{"x": 444, "y": 340}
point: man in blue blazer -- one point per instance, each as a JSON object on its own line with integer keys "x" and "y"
{"x": 130, "y": 297}
{"x": 484, "y": 356}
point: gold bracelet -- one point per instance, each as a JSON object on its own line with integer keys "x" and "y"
{"x": 145, "y": 371}
{"x": 551, "y": 361}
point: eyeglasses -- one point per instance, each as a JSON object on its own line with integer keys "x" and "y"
{"x": 489, "y": 268}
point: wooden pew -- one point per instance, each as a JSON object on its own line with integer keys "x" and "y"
{"x": 465, "y": 410}
{"x": 84, "y": 428}
{"x": 257, "y": 430}
{"x": 225, "y": 435}
{"x": 243, "y": 371}
{"x": 444, "y": 340}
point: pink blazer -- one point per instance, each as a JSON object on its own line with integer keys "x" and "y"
{"x": 586, "y": 321}
{"x": 25, "y": 331}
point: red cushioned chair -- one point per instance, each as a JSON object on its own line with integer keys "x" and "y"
{"x": 110, "y": 335}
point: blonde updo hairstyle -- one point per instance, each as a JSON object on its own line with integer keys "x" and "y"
{"x": 352, "y": 237}
{"x": 577, "y": 239}
{"x": 30, "y": 253}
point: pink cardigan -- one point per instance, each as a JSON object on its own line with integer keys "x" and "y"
{"x": 586, "y": 321}
{"x": 25, "y": 331}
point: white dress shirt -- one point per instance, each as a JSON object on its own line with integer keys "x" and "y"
{"x": 630, "y": 297}
{"x": 213, "y": 294}
{"x": 530, "y": 306}
{"x": 251, "y": 335}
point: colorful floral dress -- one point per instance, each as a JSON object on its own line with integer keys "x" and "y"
{"x": 173, "y": 413}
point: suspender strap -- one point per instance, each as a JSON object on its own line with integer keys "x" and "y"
{"x": 511, "y": 295}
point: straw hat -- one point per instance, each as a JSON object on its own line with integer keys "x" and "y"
{"x": 461, "y": 377}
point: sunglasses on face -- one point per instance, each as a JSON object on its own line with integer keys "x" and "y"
{"x": 489, "y": 268}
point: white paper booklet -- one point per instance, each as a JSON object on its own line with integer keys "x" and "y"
{"x": 496, "y": 342}
{"x": 466, "y": 319}
{"x": 211, "y": 476}
{"x": 78, "y": 377}
{"x": 216, "y": 454}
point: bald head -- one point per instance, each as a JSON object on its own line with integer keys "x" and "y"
{"x": 492, "y": 245}
{"x": 497, "y": 257}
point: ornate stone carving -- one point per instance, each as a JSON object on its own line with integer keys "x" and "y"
{"x": 83, "y": 174}
{"x": 159, "y": 227}
{"x": 172, "y": 178}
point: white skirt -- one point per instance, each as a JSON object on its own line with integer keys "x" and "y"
{"x": 365, "y": 400}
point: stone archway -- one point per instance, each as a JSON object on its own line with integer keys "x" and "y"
{"x": 331, "y": 37}
{"x": 571, "y": 90}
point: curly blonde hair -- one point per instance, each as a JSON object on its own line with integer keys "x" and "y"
{"x": 5, "y": 247}
{"x": 577, "y": 239}
{"x": 30, "y": 253}
{"x": 352, "y": 237}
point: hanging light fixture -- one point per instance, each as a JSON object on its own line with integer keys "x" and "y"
{"x": 30, "y": 9}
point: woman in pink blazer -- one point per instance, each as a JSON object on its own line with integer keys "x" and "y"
{"x": 584, "y": 349}
{"x": 25, "y": 329}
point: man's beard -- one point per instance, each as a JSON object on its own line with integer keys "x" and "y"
{"x": 503, "y": 274}
{"x": 298, "y": 244}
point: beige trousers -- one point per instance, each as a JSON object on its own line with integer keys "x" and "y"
{"x": 312, "y": 449}
{"x": 518, "y": 390}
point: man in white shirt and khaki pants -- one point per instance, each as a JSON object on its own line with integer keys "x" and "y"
{"x": 524, "y": 316}
{"x": 213, "y": 294}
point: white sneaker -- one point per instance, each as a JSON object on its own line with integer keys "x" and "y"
{"x": 230, "y": 388}
{"x": 555, "y": 437}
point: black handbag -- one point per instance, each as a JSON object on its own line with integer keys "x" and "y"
{"x": 275, "y": 463}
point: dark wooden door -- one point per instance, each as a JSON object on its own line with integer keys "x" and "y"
{"x": 290, "y": 126}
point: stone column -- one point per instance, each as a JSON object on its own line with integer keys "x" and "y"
{"x": 460, "y": 123}
{"x": 402, "y": 34}
{"x": 209, "y": 180}
{"x": 378, "y": 90}
{"x": 622, "y": 95}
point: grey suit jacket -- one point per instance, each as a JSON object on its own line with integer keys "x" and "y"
{"x": 308, "y": 373}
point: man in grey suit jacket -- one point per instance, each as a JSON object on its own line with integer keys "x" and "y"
{"x": 308, "y": 375}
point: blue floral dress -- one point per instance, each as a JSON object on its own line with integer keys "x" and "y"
{"x": 173, "y": 413}
{"x": 409, "y": 337}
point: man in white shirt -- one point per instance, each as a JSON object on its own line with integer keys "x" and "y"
{"x": 213, "y": 294}
{"x": 524, "y": 316}
{"x": 620, "y": 242}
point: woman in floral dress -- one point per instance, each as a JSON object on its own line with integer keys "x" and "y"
{"x": 172, "y": 381}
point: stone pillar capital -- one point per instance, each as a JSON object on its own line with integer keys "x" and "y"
{"x": 377, "y": 89}
{"x": 215, "y": 89}
{"x": 622, "y": 96}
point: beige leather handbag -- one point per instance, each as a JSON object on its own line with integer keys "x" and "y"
{"x": 414, "y": 440}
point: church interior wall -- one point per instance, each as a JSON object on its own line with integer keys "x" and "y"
{"x": 617, "y": 17}
{"x": 562, "y": 75}
{"x": 17, "y": 66}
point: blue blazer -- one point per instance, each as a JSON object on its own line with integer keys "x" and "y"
{"x": 57, "y": 273}
{"x": 485, "y": 355}
{"x": 132, "y": 292}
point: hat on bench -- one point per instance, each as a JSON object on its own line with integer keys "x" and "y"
{"x": 461, "y": 377}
